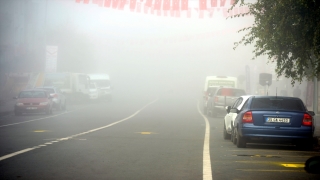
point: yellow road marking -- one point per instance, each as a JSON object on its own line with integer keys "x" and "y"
{"x": 144, "y": 133}
{"x": 40, "y": 131}
{"x": 293, "y": 165}
{"x": 271, "y": 170}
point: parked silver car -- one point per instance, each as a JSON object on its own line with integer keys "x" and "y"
{"x": 58, "y": 97}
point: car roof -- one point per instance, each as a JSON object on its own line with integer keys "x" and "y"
{"x": 263, "y": 96}
{"x": 35, "y": 89}
{"x": 52, "y": 87}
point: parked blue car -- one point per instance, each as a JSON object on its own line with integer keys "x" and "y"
{"x": 273, "y": 119}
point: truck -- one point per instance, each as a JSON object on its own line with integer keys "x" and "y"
{"x": 74, "y": 85}
{"x": 103, "y": 83}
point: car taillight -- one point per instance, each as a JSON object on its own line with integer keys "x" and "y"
{"x": 307, "y": 120}
{"x": 247, "y": 117}
{"x": 54, "y": 95}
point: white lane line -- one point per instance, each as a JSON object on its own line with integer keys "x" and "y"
{"x": 16, "y": 153}
{"x": 41, "y": 118}
{"x": 207, "y": 172}
{"x": 70, "y": 137}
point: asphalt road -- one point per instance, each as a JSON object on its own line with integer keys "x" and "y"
{"x": 137, "y": 137}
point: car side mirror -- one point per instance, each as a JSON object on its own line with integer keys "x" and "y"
{"x": 311, "y": 113}
{"x": 228, "y": 109}
{"x": 234, "y": 110}
{"x": 312, "y": 165}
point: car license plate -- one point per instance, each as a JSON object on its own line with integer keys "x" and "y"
{"x": 278, "y": 120}
{"x": 31, "y": 108}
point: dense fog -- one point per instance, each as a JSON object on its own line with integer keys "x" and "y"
{"x": 141, "y": 49}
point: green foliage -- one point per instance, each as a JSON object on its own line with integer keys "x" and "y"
{"x": 288, "y": 32}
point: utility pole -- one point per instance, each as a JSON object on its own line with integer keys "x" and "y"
{"x": 315, "y": 95}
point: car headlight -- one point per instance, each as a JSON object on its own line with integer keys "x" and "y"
{"x": 43, "y": 103}
{"x": 19, "y": 104}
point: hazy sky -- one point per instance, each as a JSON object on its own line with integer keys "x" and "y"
{"x": 151, "y": 46}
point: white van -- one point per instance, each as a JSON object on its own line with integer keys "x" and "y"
{"x": 103, "y": 83}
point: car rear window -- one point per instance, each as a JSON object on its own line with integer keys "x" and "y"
{"x": 32, "y": 94}
{"x": 277, "y": 103}
{"x": 49, "y": 90}
{"x": 231, "y": 92}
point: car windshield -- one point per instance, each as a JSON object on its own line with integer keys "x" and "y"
{"x": 277, "y": 103}
{"x": 101, "y": 83}
{"x": 49, "y": 90}
{"x": 32, "y": 94}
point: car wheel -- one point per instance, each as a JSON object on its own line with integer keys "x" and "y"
{"x": 49, "y": 111}
{"x": 225, "y": 134}
{"x": 234, "y": 137}
{"x": 241, "y": 142}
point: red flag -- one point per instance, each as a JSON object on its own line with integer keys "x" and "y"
{"x": 202, "y": 4}
{"x": 157, "y": 5}
{"x": 184, "y": 5}
{"x": 107, "y": 3}
{"x": 214, "y": 3}
{"x": 115, "y": 4}
{"x": 133, "y": 4}
{"x": 148, "y": 3}
{"x": 175, "y": 5}
{"x": 122, "y": 4}
{"x": 99, "y": 2}
{"x": 222, "y": 3}
{"x": 166, "y": 5}
{"x": 232, "y": 2}
{"x": 78, "y": 1}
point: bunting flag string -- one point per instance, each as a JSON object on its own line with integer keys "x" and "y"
{"x": 173, "y": 8}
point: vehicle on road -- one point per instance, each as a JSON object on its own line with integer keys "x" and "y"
{"x": 74, "y": 85}
{"x": 58, "y": 98}
{"x": 222, "y": 97}
{"x": 231, "y": 116}
{"x": 102, "y": 82}
{"x": 33, "y": 101}
{"x": 213, "y": 82}
{"x": 206, "y": 96}
{"x": 273, "y": 119}
{"x": 95, "y": 92}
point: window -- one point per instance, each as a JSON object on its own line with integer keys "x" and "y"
{"x": 277, "y": 104}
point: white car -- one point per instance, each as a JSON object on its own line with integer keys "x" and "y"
{"x": 231, "y": 116}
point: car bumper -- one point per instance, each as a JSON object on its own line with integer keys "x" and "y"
{"x": 93, "y": 96}
{"x": 31, "y": 109}
{"x": 281, "y": 132}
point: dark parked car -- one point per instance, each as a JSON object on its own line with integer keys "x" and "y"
{"x": 33, "y": 101}
{"x": 273, "y": 119}
{"x": 58, "y": 98}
